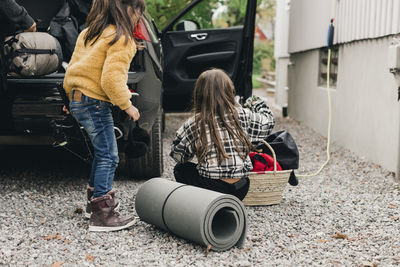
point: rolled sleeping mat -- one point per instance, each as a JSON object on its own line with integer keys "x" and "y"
{"x": 206, "y": 217}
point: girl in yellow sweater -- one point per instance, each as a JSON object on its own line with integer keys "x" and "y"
{"x": 95, "y": 80}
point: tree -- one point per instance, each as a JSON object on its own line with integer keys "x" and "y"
{"x": 163, "y": 11}
{"x": 218, "y": 14}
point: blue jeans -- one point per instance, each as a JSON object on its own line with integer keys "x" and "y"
{"x": 96, "y": 118}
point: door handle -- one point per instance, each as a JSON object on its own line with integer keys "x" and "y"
{"x": 199, "y": 36}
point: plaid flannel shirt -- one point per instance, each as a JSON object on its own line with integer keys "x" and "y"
{"x": 257, "y": 121}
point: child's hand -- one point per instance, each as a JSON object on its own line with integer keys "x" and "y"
{"x": 133, "y": 113}
{"x": 65, "y": 109}
{"x": 32, "y": 28}
{"x": 251, "y": 100}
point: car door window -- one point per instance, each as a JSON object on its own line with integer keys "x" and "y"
{"x": 207, "y": 34}
{"x": 213, "y": 14}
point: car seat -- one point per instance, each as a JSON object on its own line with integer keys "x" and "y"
{"x": 42, "y": 11}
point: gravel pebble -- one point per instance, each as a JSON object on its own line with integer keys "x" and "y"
{"x": 349, "y": 215}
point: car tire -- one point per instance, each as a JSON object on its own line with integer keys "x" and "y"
{"x": 163, "y": 121}
{"x": 151, "y": 164}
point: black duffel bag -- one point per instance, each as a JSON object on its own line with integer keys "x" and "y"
{"x": 287, "y": 153}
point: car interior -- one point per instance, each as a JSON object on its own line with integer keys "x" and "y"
{"x": 42, "y": 11}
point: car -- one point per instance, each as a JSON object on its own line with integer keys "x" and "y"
{"x": 162, "y": 75}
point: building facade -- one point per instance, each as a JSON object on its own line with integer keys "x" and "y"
{"x": 366, "y": 113}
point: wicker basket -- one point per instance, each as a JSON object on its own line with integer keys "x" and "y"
{"x": 266, "y": 188}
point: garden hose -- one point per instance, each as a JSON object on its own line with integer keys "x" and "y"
{"x": 330, "y": 38}
{"x": 328, "y": 153}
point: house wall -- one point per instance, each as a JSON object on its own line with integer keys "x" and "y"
{"x": 308, "y": 24}
{"x": 281, "y": 51}
{"x": 282, "y": 29}
{"x": 365, "y": 108}
{"x": 354, "y": 20}
{"x": 281, "y": 88}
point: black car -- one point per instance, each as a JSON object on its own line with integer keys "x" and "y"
{"x": 163, "y": 74}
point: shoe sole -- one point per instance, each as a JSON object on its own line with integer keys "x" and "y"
{"x": 87, "y": 215}
{"x": 93, "y": 228}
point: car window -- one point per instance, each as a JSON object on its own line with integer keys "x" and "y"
{"x": 163, "y": 11}
{"x": 213, "y": 14}
{"x": 151, "y": 30}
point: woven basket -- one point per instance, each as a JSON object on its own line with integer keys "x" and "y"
{"x": 266, "y": 188}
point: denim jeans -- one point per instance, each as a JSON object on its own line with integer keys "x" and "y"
{"x": 96, "y": 118}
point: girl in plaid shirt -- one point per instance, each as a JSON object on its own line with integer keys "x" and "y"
{"x": 220, "y": 135}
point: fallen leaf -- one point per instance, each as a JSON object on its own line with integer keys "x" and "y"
{"x": 51, "y": 237}
{"x": 57, "y": 264}
{"x": 338, "y": 235}
{"x": 290, "y": 236}
{"x": 322, "y": 241}
{"x": 78, "y": 210}
{"x": 393, "y": 206}
{"x": 369, "y": 264}
{"x": 89, "y": 257}
{"x": 208, "y": 249}
{"x": 395, "y": 218}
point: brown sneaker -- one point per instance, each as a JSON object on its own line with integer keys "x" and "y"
{"x": 104, "y": 218}
{"x": 90, "y": 192}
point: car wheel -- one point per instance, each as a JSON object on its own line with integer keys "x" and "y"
{"x": 163, "y": 121}
{"x": 151, "y": 164}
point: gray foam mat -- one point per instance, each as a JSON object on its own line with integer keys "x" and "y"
{"x": 199, "y": 215}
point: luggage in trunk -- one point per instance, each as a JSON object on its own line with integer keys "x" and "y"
{"x": 32, "y": 54}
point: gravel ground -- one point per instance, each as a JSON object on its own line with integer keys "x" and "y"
{"x": 349, "y": 215}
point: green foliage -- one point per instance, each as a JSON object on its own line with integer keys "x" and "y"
{"x": 236, "y": 12}
{"x": 163, "y": 11}
{"x": 256, "y": 84}
{"x": 262, "y": 51}
{"x": 202, "y": 13}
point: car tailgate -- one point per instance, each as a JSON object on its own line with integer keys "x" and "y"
{"x": 133, "y": 77}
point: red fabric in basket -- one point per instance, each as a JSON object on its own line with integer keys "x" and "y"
{"x": 260, "y": 165}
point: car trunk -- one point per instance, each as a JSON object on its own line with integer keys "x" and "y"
{"x": 31, "y": 104}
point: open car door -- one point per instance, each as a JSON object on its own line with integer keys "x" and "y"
{"x": 207, "y": 34}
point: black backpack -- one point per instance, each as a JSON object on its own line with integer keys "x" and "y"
{"x": 64, "y": 27}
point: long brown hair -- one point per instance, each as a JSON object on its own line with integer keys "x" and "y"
{"x": 214, "y": 104}
{"x": 124, "y": 14}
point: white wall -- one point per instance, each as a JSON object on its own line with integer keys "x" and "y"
{"x": 281, "y": 93}
{"x": 281, "y": 51}
{"x": 354, "y": 20}
{"x": 366, "y": 113}
{"x": 282, "y": 28}
{"x": 309, "y": 22}
{"x": 363, "y": 19}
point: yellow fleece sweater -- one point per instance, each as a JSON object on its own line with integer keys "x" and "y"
{"x": 100, "y": 71}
